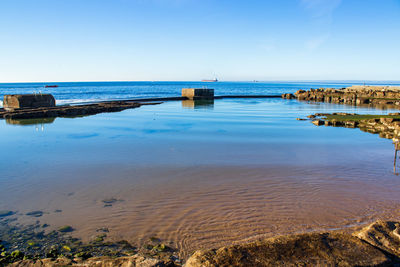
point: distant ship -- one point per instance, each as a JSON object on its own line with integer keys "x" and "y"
{"x": 51, "y": 86}
{"x": 210, "y": 81}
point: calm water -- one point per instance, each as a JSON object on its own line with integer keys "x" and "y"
{"x": 198, "y": 175}
{"x": 94, "y": 91}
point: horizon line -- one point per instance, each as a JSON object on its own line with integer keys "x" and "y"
{"x": 199, "y": 81}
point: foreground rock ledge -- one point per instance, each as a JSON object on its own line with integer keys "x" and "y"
{"x": 375, "y": 245}
{"x": 368, "y": 247}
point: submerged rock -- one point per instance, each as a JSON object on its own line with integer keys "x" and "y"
{"x": 5, "y": 213}
{"x": 36, "y": 213}
{"x": 65, "y": 229}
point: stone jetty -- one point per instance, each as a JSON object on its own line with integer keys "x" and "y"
{"x": 354, "y": 95}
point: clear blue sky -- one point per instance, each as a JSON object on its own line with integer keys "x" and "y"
{"x": 128, "y": 40}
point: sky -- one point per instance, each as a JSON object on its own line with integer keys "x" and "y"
{"x": 190, "y": 40}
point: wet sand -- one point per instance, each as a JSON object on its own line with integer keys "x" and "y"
{"x": 199, "y": 178}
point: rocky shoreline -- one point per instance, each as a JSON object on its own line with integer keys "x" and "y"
{"x": 387, "y": 126}
{"x": 377, "y": 244}
{"x": 374, "y": 96}
{"x": 34, "y": 245}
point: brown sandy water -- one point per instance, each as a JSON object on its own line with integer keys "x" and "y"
{"x": 238, "y": 171}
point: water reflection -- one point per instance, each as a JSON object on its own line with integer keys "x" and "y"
{"x": 27, "y": 122}
{"x": 198, "y": 104}
{"x": 396, "y": 143}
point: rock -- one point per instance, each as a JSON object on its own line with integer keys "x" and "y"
{"x": 109, "y": 200}
{"x": 314, "y": 249}
{"x": 66, "y": 229}
{"x": 300, "y": 119}
{"x": 36, "y": 213}
{"x": 384, "y": 235}
{"x": 288, "y": 96}
{"x": 386, "y": 120}
{"x": 311, "y": 116}
{"x": 318, "y": 122}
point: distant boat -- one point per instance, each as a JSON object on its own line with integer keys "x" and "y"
{"x": 210, "y": 81}
{"x": 51, "y": 86}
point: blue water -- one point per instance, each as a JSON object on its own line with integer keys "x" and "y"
{"x": 77, "y": 92}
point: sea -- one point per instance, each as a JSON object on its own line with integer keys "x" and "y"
{"x": 83, "y": 92}
{"x": 195, "y": 174}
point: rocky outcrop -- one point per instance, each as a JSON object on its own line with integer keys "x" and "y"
{"x": 70, "y": 111}
{"x": 312, "y": 249}
{"x": 387, "y": 126}
{"x": 355, "y": 95}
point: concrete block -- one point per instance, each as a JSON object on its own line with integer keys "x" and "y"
{"x": 198, "y": 93}
{"x": 12, "y": 102}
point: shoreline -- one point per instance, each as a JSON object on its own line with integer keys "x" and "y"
{"x": 374, "y": 243}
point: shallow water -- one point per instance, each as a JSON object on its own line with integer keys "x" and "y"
{"x": 198, "y": 175}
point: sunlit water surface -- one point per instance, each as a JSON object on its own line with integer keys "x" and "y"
{"x": 199, "y": 176}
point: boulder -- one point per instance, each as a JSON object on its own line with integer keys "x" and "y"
{"x": 318, "y": 122}
{"x": 12, "y": 102}
{"x": 288, "y": 96}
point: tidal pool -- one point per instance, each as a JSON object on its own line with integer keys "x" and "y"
{"x": 199, "y": 175}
